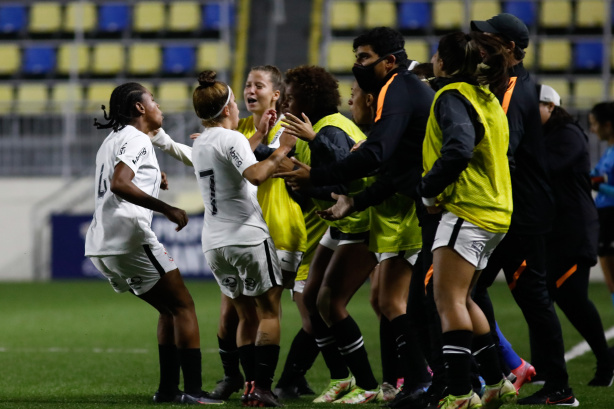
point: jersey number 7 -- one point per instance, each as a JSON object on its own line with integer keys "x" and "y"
{"x": 208, "y": 173}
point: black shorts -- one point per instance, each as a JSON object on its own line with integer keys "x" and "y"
{"x": 605, "y": 246}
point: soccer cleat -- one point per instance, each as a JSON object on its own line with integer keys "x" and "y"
{"x": 409, "y": 397}
{"x": 199, "y": 398}
{"x": 388, "y": 392}
{"x": 524, "y": 373}
{"x": 294, "y": 390}
{"x": 603, "y": 377}
{"x": 562, "y": 397}
{"x": 162, "y": 397}
{"x": 227, "y": 386}
{"x": 499, "y": 394}
{"x": 468, "y": 401}
{"x": 359, "y": 395}
{"x": 336, "y": 389}
{"x": 302, "y": 386}
{"x": 259, "y": 397}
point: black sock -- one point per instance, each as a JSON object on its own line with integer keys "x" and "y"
{"x": 410, "y": 357}
{"x": 169, "y": 368}
{"x": 301, "y": 356}
{"x": 191, "y": 365}
{"x": 229, "y": 353}
{"x": 266, "y": 362}
{"x": 457, "y": 355}
{"x": 328, "y": 346}
{"x": 248, "y": 361}
{"x": 387, "y": 350}
{"x": 487, "y": 356}
{"x": 352, "y": 348}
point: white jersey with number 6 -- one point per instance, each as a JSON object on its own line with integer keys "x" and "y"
{"x": 119, "y": 226}
{"x": 232, "y": 213}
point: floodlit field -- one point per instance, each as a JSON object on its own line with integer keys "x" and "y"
{"x": 79, "y": 345}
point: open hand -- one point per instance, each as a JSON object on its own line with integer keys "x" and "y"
{"x": 343, "y": 207}
{"x": 300, "y": 128}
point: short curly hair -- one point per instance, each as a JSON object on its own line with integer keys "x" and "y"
{"x": 316, "y": 85}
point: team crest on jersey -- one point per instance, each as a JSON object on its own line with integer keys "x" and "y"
{"x": 123, "y": 149}
{"x": 168, "y": 255}
{"x": 477, "y": 246}
{"x": 236, "y": 157}
{"x": 143, "y": 152}
{"x": 229, "y": 282}
{"x": 135, "y": 282}
{"x": 250, "y": 284}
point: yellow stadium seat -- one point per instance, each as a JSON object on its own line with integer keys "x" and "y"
{"x": 174, "y": 96}
{"x": 97, "y": 94}
{"x": 10, "y": 59}
{"x": 555, "y": 13}
{"x": 213, "y": 56}
{"x": 587, "y": 92}
{"x": 340, "y": 56}
{"x": 345, "y": 90}
{"x": 107, "y": 59}
{"x": 560, "y": 85}
{"x": 80, "y": 14}
{"x": 144, "y": 58}
{"x": 70, "y": 54}
{"x": 66, "y": 97}
{"x": 45, "y": 17}
{"x": 184, "y": 16}
{"x": 149, "y": 16}
{"x": 31, "y": 98}
{"x": 448, "y": 14}
{"x": 590, "y": 13}
{"x": 529, "y": 57}
{"x": 6, "y": 98}
{"x": 554, "y": 55}
{"x": 345, "y": 15}
{"x": 380, "y": 13}
{"x": 484, "y": 9}
{"x": 418, "y": 50}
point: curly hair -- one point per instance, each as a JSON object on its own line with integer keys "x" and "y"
{"x": 316, "y": 85}
{"x": 122, "y": 106}
{"x": 384, "y": 41}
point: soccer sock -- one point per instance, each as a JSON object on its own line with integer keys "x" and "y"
{"x": 488, "y": 358}
{"x": 387, "y": 349}
{"x": 229, "y": 353}
{"x": 352, "y": 348}
{"x": 512, "y": 360}
{"x": 457, "y": 355}
{"x": 266, "y": 362}
{"x": 328, "y": 346}
{"x": 169, "y": 368}
{"x": 410, "y": 358}
{"x": 301, "y": 356}
{"x": 191, "y": 366}
{"x": 247, "y": 355}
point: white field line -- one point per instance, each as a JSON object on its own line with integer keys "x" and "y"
{"x": 583, "y": 347}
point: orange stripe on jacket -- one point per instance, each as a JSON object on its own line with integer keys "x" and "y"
{"x": 508, "y": 94}
{"x": 427, "y": 278}
{"x": 512, "y": 285}
{"x": 381, "y": 97}
{"x": 565, "y": 276}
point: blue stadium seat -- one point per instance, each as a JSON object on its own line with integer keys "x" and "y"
{"x": 212, "y": 16}
{"x": 178, "y": 59}
{"x": 588, "y": 55}
{"x": 113, "y": 17}
{"x": 38, "y": 60}
{"x": 414, "y": 15}
{"x": 13, "y": 18}
{"x": 523, "y": 9}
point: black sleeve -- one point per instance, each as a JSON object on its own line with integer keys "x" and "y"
{"x": 454, "y": 114}
{"x": 564, "y": 148}
{"x": 262, "y": 152}
{"x": 375, "y": 194}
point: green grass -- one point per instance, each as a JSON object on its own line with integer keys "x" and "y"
{"x": 79, "y": 345}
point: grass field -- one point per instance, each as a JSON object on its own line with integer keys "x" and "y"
{"x": 79, "y": 345}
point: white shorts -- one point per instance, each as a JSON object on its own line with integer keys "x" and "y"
{"x": 299, "y": 286}
{"x": 410, "y": 255}
{"x": 329, "y": 242}
{"x": 247, "y": 270}
{"x": 290, "y": 260}
{"x": 473, "y": 243}
{"x": 138, "y": 271}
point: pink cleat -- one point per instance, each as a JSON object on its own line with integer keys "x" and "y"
{"x": 523, "y": 373}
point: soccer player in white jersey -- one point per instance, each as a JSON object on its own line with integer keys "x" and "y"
{"x": 125, "y": 250}
{"x": 236, "y": 239}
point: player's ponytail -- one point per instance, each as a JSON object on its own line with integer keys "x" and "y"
{"x": 122, "y": 106}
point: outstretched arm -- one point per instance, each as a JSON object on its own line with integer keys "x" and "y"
{"x": 177, "y": 150}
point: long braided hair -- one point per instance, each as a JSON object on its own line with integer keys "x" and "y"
{"x": 122, "y": 106}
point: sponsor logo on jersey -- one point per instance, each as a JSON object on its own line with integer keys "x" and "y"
{"x": 135, "y": 282}
{"x": 229, "y": 282}
{"x": 250, "y": 284}
{"x": 477, "y": 246}
{"x": 143, "y": 152}
{"x": 123, "y": 149}
{"x": 168, "y": 255}
{"x": 236, "y": 157}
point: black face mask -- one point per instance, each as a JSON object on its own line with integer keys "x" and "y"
{"x": 365, "y": 74}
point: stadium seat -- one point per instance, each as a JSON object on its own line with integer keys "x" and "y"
{"x": 554, "y": 55}
{"x": 10, "y": 59}
{"x": 178, "y": 59}
{"x": 529, "y": 57}
{"x": 380, "y": 13}
{"x": 38, "y": 60}
{"x": 213, "y": 56}
{"x": 561, "y": 86}
{"x": 217, "y": 16}
{"x": 418, "y": 50}
{"x": 184, "y": 16}
{"x": 97, "y": 94}
{"x": 484, "y": 9}
{"x": 13, "y": 18}
{"x": 69, "y": 54}
{"x": 174, "y": 96}
{"x": 107, "y": 59}
{"x": 448, "y": 14}
{"x": 587, "y": 92}
{"x": 345, "y": 15}
{"x": 588, "y": 55}
{"x": 340, "y": 56}
{"x": 113, "y": 17}
{"x": 555, "y": 14}
{"x": 66, "y": 97}
{"x": 6, "y": 98}
{"x": 80, "y": 14}
{"x": 31, "y": 98}
{"x": 590, "y": 13}
{"x": 149, "y": 16}
{"x": 523, "y": 9}
{"x": 345, "y": 90}
{"x": 45, "y": 17}
{"x": 414, "y": 15}
{"x": 144, "y": 59}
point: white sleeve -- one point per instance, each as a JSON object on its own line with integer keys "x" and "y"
{"x": 177, "y": 150}
{"x": 239, "y": 152}
{"x": 134, "y": 151}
